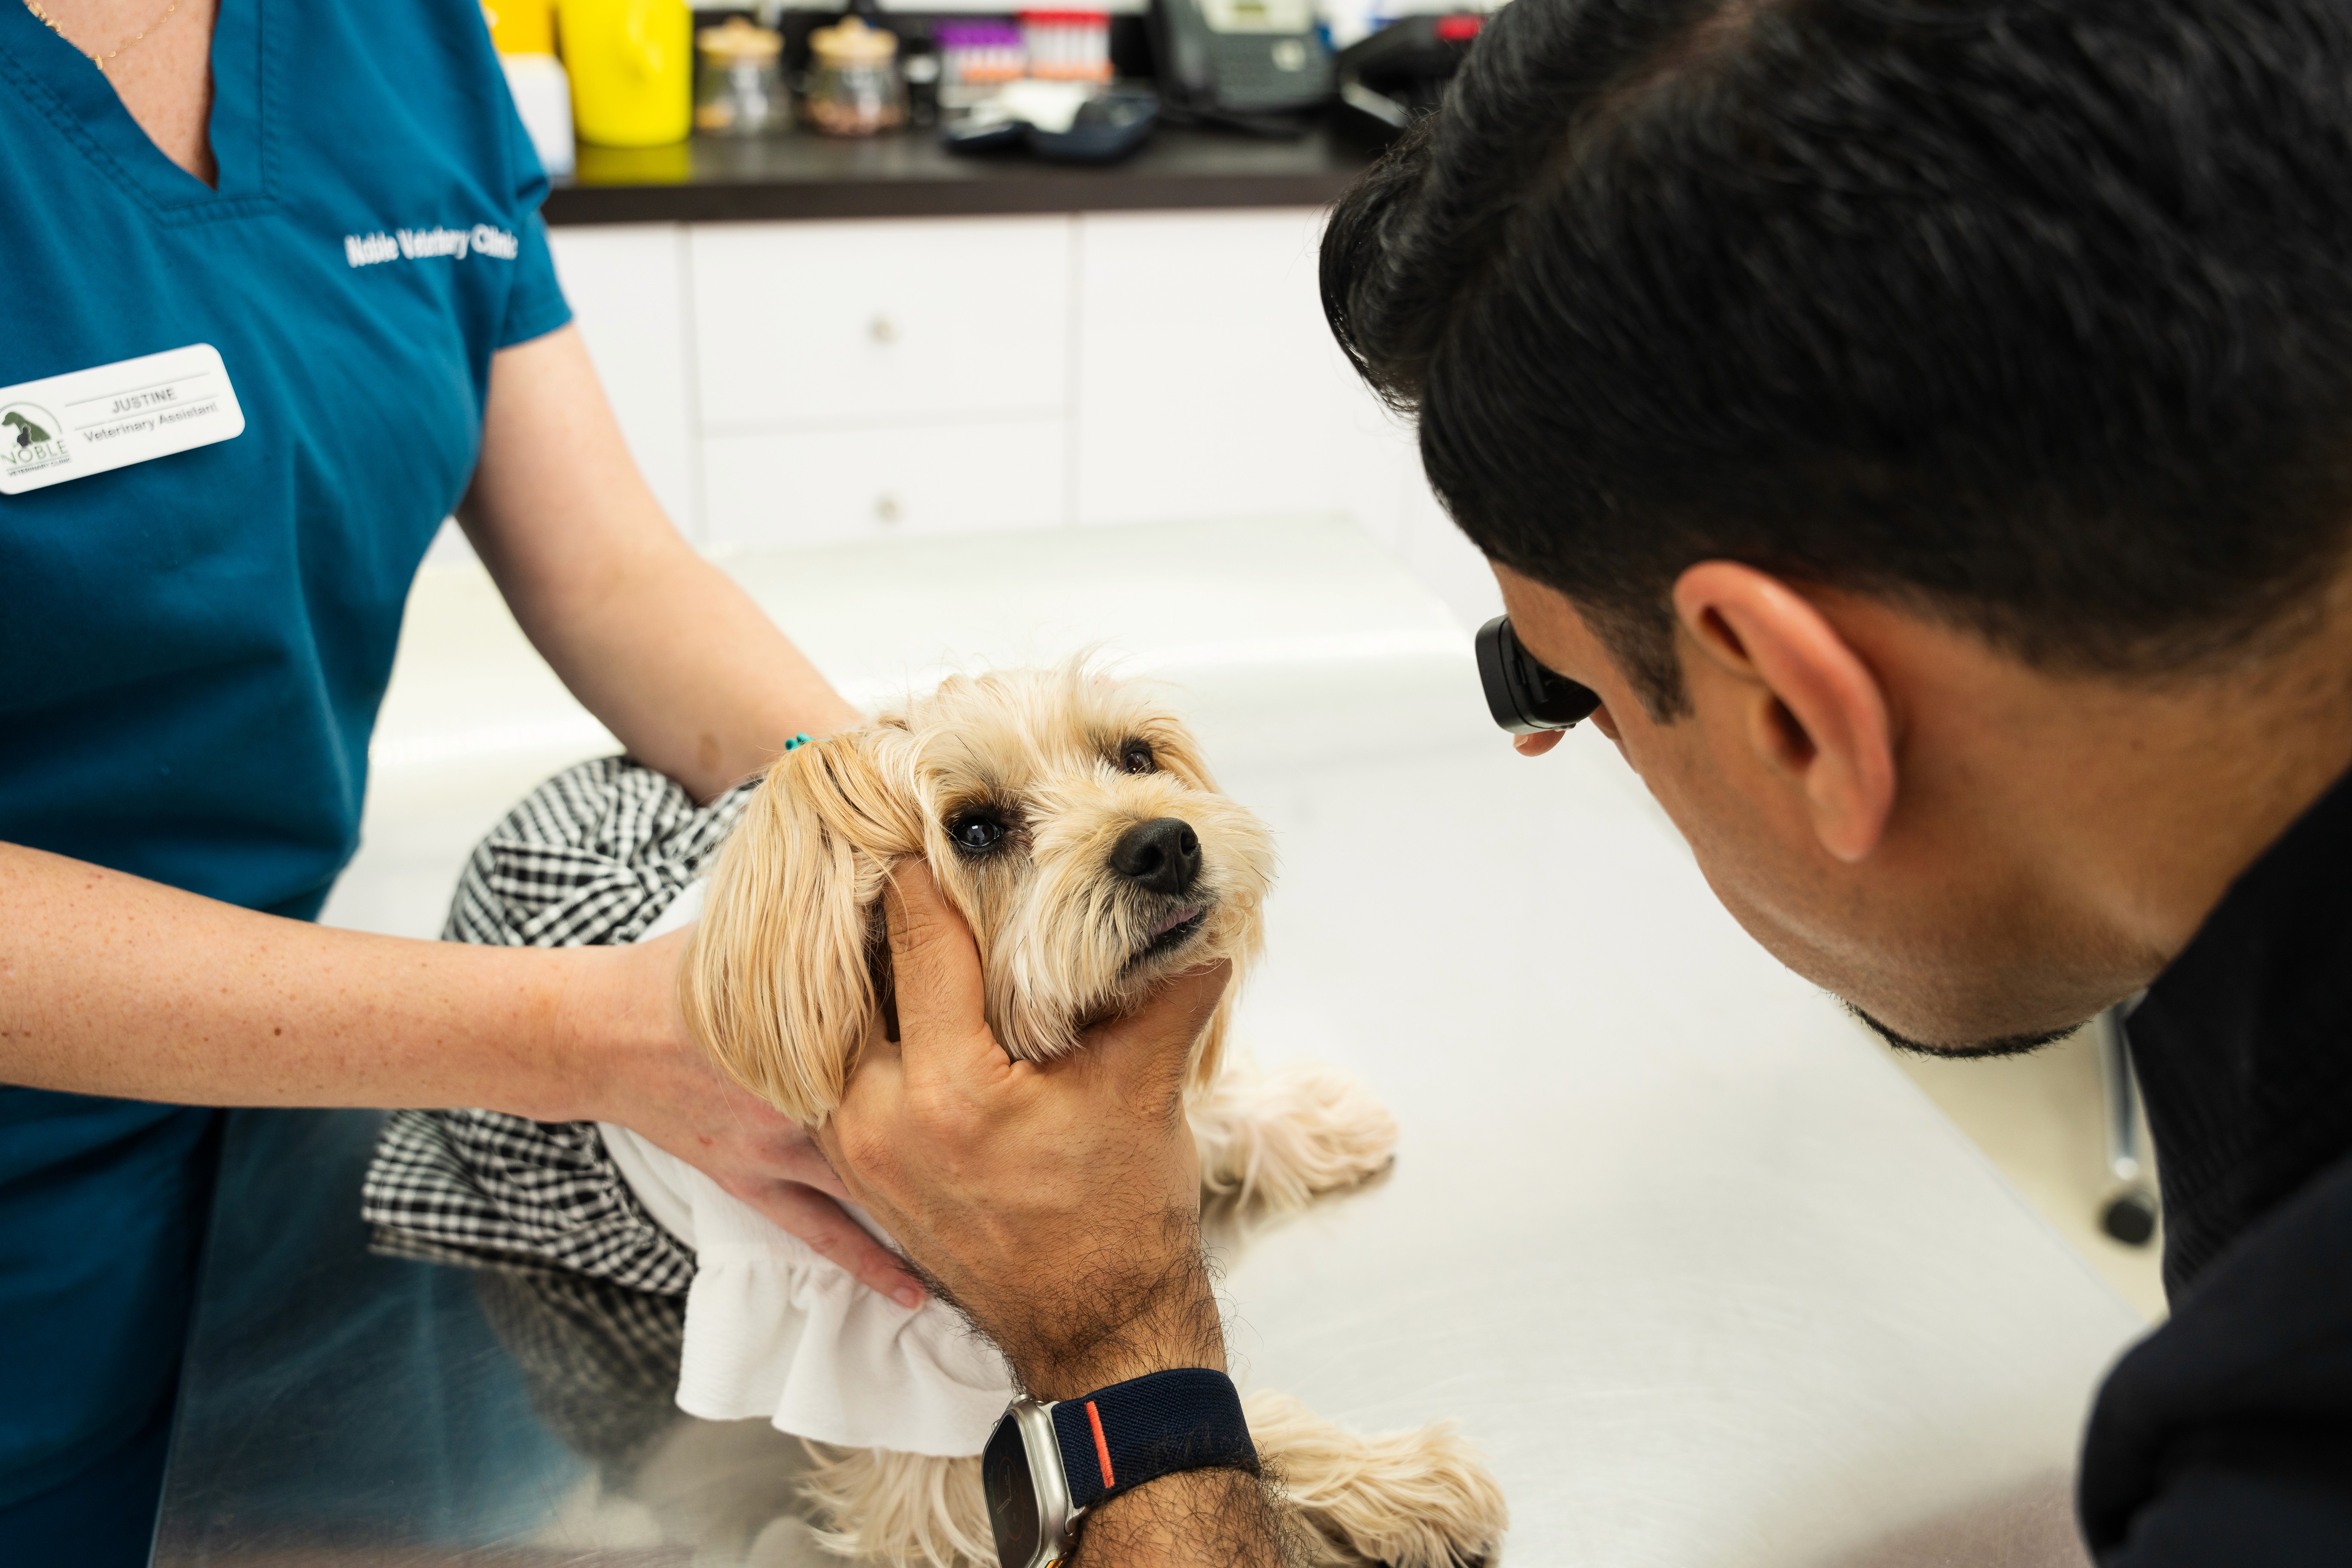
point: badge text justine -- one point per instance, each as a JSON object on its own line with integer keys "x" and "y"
{"x": 132, "y": 402}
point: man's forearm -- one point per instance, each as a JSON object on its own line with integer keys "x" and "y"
{"x": 111, "y": 984}
{"x": 1126, "y": 1329}
{"x": 1103, "y": 1327}
{"x": 1191, "y": 1519}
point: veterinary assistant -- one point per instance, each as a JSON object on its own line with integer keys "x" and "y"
{"x": 278, "y": 301}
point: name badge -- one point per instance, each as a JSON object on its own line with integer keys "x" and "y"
{"x": 112, "y": 416}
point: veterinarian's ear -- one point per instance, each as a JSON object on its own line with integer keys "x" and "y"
{"x": 1807, "y": 706}
{"x": 776, "y": 984}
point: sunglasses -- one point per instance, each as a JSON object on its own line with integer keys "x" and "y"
{"x": 1523, "y": 696}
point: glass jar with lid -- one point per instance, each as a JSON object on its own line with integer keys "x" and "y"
{"x": 740, "y": 88}
{"x": 853, "y": 84}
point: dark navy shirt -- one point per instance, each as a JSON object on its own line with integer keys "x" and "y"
{"x": 2226, "y": 1436}
{"x": 192, "y": 648}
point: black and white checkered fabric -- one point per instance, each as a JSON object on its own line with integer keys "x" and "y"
{"x": 591, "y": 857}
{"x": 492, "y": 1191}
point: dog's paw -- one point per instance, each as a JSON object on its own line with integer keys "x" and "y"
{"x": 1344, "y": 1136}
{"x": 1435, "y": 1505}
{"x": 1275, "y": 1141}
{"x": 1420, "y": 1499}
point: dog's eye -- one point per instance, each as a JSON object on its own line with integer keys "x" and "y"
{"x": 1136, "y": 757}
{"x": 976, "y": 835}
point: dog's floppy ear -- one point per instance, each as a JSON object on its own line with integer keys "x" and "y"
{"x": 776, "y": 985}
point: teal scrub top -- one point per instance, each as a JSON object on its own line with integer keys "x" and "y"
{"x": 193, "y": 648}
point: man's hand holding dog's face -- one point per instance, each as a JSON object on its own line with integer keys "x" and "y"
{"x": 1057, "y": 1202}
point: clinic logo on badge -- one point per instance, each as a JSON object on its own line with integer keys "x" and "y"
{"x": 31, "y": 437}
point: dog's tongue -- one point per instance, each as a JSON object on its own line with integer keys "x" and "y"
{"x": 1174, "y": 919}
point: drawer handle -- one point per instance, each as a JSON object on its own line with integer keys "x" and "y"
{"x": 886, "y": 508}
{"x": 883, "y": 329}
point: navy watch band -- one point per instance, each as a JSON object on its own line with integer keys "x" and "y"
{"x": 1189, "y": 1419}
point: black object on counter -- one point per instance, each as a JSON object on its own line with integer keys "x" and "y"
{"x": 1396, "y": 75}
{"x": 1106, "y": 129}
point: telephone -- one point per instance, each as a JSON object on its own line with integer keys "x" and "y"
{"x": 1240, "y": 57}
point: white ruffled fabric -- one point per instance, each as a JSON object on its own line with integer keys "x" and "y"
{"x": 773, "y": 1330}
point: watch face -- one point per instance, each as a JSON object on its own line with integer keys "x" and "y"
{"x": 1012, "y": 1495}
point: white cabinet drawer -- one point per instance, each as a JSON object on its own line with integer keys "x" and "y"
{"x": 842, "y": 323}
{"x": 1208, "y": 384}
{"x": 812, "y": 486}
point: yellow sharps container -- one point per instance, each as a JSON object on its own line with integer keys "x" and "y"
{"x": 632, "y": 66}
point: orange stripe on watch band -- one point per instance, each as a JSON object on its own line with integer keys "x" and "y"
{"x": 1102, "y": 1445}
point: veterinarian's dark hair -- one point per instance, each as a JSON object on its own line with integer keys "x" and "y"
{"x": 2035, "y": 315}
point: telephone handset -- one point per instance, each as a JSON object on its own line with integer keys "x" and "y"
{"x": 1241, "y": 56}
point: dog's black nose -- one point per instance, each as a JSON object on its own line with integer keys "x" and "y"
{"x": 1163, "y": 854}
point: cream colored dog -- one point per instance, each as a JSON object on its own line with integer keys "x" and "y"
{"x": 1074, "y": 827}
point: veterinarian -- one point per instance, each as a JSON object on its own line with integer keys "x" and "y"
{"x": 323, "y": 220}
{"x": 1928, "y": 430}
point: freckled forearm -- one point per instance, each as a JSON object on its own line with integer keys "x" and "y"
{"x": 114, "y": 985}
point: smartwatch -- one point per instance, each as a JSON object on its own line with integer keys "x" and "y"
{"x": 1045, "y": 1464}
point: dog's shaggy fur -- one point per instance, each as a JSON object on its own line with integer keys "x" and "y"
{"x": 1016, "y": 787}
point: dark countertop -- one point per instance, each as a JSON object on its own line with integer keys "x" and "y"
{"x": 909, "y": 174}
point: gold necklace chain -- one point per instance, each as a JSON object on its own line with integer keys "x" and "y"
{"x": 100, "y": 60}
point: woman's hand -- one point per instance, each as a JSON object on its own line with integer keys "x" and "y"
{"x": 1058, "y": 1203}
{"x": 658, "y": 1083}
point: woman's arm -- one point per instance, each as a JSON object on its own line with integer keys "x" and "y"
{"x": 111, "y": 984}
{"x": 655, "y": 641}
{"x": 114, "y": 985}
